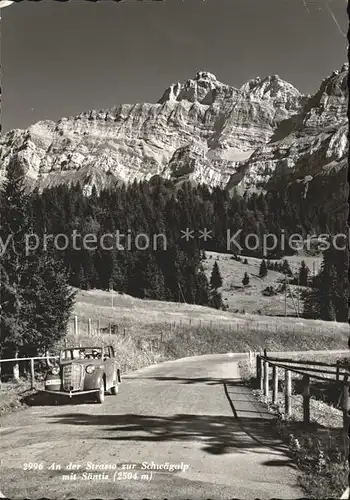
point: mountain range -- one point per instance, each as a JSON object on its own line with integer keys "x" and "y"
{"x": 263, "y": 135}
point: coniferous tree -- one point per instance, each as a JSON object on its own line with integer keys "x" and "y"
{"x": 263, "y": 269}
{"x": 36, "y": 299}
{"x": 215, "y": 278}
{"x": 286, "y": 268}
{"x": 14, "y": 264}
{"x": 51, "y": 306}
{"x": 245, "y": 279}
{"x": 216, "y": 299}
{"x": 303, "y": 274}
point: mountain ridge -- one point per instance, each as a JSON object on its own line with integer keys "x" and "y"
{"x": 201, "y": 130}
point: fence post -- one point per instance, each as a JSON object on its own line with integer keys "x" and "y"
{"x": 16, "y": 368}
{"x": 346, "y": 407}
{"x": 76, "y": 327}
{"x": 346, "y": 416}
{"x": 261, "y": 382}
{"x": 258, "y": 366}
{"x": 32, "y": 374}
{"x": 337, "y": 372}
{"x": 110, "y": 328}
{"x": 287, "y": 392}
{"x": 98, "y": 326}
{"x": 89, "y": 327}
{"x": 0, "y": 375}
{"x": 275, "y": 384}
{"x": 306, "y": 398}
{"x": 266, "y": 378}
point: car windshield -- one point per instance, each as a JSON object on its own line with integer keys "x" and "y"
{"x": 81, "y": 353}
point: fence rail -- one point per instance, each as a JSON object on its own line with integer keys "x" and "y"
{"x": 92, "y": 326}
{"x": 263, "y": 364}
{"x": 31, "y": 360}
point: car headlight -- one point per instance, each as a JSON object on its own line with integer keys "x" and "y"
{"x": 90, "y": 369}
{"x": 55, "y": 370}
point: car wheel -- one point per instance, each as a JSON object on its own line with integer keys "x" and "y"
{"x": 114, "y": 390}
{"x": 101, "y": 393}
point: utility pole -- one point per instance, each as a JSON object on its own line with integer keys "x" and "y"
{"x": 180, "y": 291}
{"x": 298, "y": 292}
{"x": 292, "y": 296}
{"x": 285, "y": 294}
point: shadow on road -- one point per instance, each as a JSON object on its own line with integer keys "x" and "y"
{"x": 191, "y": 380}
{"x": 219, "y": 434}
{"x": 41, "y": 398}
{"x": 247, "y": 432}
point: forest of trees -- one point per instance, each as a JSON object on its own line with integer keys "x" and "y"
{"x": 159, "y": 207}
{"x": 174, "y": 273}
{"x": 36, "y": 299}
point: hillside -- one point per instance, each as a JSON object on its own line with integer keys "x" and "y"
{"x": 140, "y": 317}
{"x": 250, "y": 298}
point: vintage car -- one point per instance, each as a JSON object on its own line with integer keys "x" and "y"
{"x": 84, "y": 370}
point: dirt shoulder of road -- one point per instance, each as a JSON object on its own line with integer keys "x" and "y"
{"x": 320, "y": 449}
{"x": 13, "y": 395}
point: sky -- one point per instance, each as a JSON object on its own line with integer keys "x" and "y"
{"x": 60, "y": 59}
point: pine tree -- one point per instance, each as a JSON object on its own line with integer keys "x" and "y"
{"x": 14, "y": 264}
{"x": 215, "y": 299}
{"x": 263, "y": 269}
{"x": 303, "y": 274}
{"x": 36, "y": 299}
{"x": 215, "y": 278}
{"x": 51, "y": 307}
{"x": 245, "y": 279}
{"x": 286, "y": 268}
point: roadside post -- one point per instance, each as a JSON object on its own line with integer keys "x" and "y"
{"x": 266, "y": 378}
{"x": 32, "y": 374}
{"x": 288, "y": 392}
{"x": 346, "y": 413}
{"x": 337, "y": 371}
{"x": 306, "y": 398}
{"x": 274, "y": 384}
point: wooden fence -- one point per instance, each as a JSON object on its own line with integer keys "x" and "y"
{"x": 16, "y": 361}
{"x": 78, "y": 325}
{"x": 329, "y": 372}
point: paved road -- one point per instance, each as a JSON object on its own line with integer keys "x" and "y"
{"x": 193, "y": 413}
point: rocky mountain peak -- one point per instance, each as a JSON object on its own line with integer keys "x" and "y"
{"x": 204, "y": 88}
{"x": 271, "y": 87}
{"x": 205, "y": 75}
{"x": 201, "y": 130}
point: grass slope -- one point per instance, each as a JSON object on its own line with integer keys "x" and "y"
{"x": 250, "y": 298}
{"x": 150, "y": 317}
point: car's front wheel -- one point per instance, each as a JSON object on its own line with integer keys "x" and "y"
{"x": 100, "y": 397}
